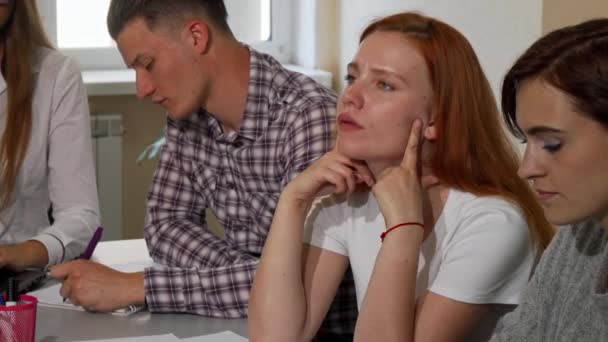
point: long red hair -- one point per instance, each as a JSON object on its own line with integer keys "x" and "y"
{"x": 474, "y": 153}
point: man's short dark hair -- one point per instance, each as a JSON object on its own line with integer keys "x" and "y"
{"x": 165, "y": 12}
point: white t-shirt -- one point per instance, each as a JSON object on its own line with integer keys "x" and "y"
{"x": 478, "y": 252}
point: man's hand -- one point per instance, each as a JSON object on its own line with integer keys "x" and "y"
{"x": 22, "y": 255}
{"x": 98, "y": 288}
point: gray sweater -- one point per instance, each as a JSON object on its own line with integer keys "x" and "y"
{"x": 567, "y": 298}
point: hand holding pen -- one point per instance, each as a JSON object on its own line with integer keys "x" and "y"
{"x": 88, "y": 251}
{"x": 97, "y": 287}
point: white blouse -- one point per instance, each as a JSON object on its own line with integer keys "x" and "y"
{"x": 58, "y": 167}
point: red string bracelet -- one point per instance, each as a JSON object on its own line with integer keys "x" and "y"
{"x": 383, "y": 235}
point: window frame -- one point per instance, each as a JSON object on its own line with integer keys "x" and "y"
{"x": 279, "y": 44}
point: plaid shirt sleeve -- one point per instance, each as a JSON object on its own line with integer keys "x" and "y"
{"x": 207, "y": 275}
{"x": 310, "y": 137}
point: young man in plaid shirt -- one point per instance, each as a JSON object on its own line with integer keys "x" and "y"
{"x": 239, "y": 128}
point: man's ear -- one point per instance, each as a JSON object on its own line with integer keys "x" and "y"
{"x": 197, "y": 33}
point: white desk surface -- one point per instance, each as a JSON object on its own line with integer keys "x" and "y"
{"x": 59, "y": 325}
{"x": 121, "y": 252}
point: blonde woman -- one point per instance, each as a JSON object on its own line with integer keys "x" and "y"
{"x": 45, "y": 147}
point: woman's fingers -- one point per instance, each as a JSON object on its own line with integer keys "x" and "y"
{"x": 410, "y": 156}
{"x": 362, "y": 173}
{"x": 343, "y": 177}
{"x": 332, "y": 174}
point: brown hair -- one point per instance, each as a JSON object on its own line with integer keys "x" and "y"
{"x": 23, "y": 35}
{"x": 159, "y": 12}
{"x": 573, "y": 59}
{"x": 473, "y": 154}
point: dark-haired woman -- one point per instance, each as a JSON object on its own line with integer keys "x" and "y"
{"x": 555, "y": 97}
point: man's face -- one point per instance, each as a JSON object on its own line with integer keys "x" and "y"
{"x": 167, "y": 68}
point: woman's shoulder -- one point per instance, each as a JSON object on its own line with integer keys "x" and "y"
{"x": 573, "y": 255}
{"x": 584, "y": 238}
{"x": 489, "y": 218}
{"x": 469, "y": 204}
{"x": 49, "y": 61}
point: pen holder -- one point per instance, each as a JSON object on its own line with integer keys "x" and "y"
{"x": 18, "y": 322}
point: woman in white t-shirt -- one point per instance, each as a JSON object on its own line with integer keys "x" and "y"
{"x": 45, "y": 147}
{"x": 456, "y": 251}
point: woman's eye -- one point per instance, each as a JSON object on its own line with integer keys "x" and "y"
{"x": 385, "y": 86}
{"x": 552, "y": 147}
{"x": 349, "y": 79}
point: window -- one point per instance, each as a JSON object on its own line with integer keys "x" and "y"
{"x": 79, "y": 29}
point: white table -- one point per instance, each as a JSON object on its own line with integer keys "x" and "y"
{"x": 55, "y": 324}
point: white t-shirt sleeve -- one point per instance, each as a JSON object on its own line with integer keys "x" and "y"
{"x": 325, "y": 226}
{"x": 489, "y": 258}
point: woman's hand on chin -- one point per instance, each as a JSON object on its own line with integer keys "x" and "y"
{"x": 331, "y": 174}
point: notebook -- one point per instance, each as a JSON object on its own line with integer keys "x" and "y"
{"x": 49, "y": 296}
{"x": 25, "y": 280}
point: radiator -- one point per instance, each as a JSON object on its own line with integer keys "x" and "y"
{"x": 106, "y": 133}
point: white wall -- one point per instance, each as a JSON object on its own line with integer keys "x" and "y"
{"x": 499, "y": 30}
{"x": 560, "y": 13}
{"x": 245, "y": 19}
{"x": 304, "y": 38}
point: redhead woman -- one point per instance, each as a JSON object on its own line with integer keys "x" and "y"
{"x": 426, "y": 205}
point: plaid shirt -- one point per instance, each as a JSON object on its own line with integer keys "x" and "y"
{"x": 287, "y": 124}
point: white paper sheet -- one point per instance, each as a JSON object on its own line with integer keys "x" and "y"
{"x": 226, "y": 336}
{"x": 155, "y": 338}
{"x": 130, "y": 251}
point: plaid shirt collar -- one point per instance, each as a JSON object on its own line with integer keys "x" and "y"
{"x": 257, "y": 114}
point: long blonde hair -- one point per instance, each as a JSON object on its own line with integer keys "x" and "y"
{"x": 23, "y": 35}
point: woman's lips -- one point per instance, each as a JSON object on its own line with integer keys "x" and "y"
{"x": 347, "y": 123}
{"x": 544, "y": 196}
